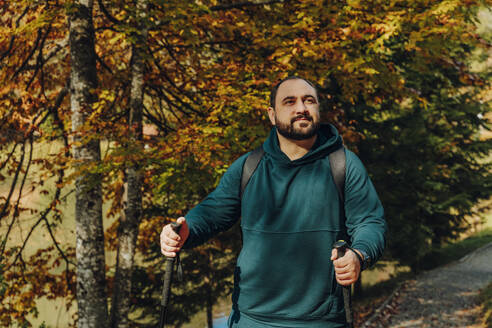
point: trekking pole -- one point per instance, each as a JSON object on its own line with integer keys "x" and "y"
{"x": 168, "y": 276}
{"x": 341, "y": 246}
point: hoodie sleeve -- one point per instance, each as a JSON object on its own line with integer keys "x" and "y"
{"x": 363, "y": 210}
{"x": 219, "y": 210}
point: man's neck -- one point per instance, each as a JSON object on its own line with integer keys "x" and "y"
{"x": 295, "y": 149}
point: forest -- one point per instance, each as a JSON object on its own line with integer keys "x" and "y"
{"x": 119, "y": 116}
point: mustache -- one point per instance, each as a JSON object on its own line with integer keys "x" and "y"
{"x": 302, "y": 116}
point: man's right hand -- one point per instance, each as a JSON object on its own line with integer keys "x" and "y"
{"x": 171, "y": 242}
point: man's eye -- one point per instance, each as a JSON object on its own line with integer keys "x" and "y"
{"x": 310, "y": 101}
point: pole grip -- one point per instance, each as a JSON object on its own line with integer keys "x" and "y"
{"x": 168, "y": 274}
{"x": 168, "y": 277}
{"x": 341, "y": 247}
{"x": 176, "y": 226}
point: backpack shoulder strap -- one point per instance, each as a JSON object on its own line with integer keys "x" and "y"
{"x": 337, "y": 164}
{"x": 250, "y": 166}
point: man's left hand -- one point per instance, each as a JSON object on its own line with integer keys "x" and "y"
{"x": 347, "y": 268}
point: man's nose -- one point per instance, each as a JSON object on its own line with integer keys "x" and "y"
{"x": 301, "y": 107}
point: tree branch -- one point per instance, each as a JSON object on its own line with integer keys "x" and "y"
{"x": 4, "y": 210}
{"x": 201, "y": 44}
{"x": 8, "y": 157}
{"x": 171, "y": 54}
{"x": 39, "y": 59}
{"x": 103, "y": 64}
{"x": 106, "y": 28}
{"x": 52, "y": 109}
{"x": 243, "y": 5}
{"x": 169, "y": 108}
{"x": 12, "y": 39}
{"x": 161, "y": 93}
{"x": 179, "y": 89}
{"x": 50, "y": 231}
{"x": 16, "y": 209}
{"x": 107, "y": 14}
{"x": 45, "y": 219}
{"x": 162, "y": 125}
{"x": 7, "y": 52}
{"x": 159, "y": 115}
{"x": 59, "y": 46}
{"x": 33, "y": 50}
{"x": 27, "y": 238}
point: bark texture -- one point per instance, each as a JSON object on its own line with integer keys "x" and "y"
{"x": 128, "y": 228}
{"x": 91, "y": 295}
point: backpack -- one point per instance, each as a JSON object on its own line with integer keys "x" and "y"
{"x": 337, "y": 165}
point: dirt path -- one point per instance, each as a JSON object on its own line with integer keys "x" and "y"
{"x": 443, "y": 297}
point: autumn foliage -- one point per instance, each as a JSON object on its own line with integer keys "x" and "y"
{"x": 395, "y": 78}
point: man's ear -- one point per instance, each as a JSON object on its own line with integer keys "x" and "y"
{"x": 271, "y": 115}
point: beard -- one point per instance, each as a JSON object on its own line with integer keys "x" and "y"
{"x": 289, "y": 131}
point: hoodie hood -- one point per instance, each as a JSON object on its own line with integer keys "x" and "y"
{"x": 328, "y": 140}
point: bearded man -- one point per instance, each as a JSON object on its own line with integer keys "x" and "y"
{"x": 287, "y": 274}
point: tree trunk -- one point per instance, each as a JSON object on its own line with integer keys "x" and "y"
{"x": 91, "y": 295}
{"x": 128, "y": 228}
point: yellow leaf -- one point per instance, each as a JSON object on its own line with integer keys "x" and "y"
{"x": 285, "y": 59}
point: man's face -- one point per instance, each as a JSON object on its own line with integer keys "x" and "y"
{"x": 296, "y": 112}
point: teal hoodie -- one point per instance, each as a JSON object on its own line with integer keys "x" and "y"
{"x": 290, "y": 219}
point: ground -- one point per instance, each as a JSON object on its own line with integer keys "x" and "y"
{"x": 444, "y": 297}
